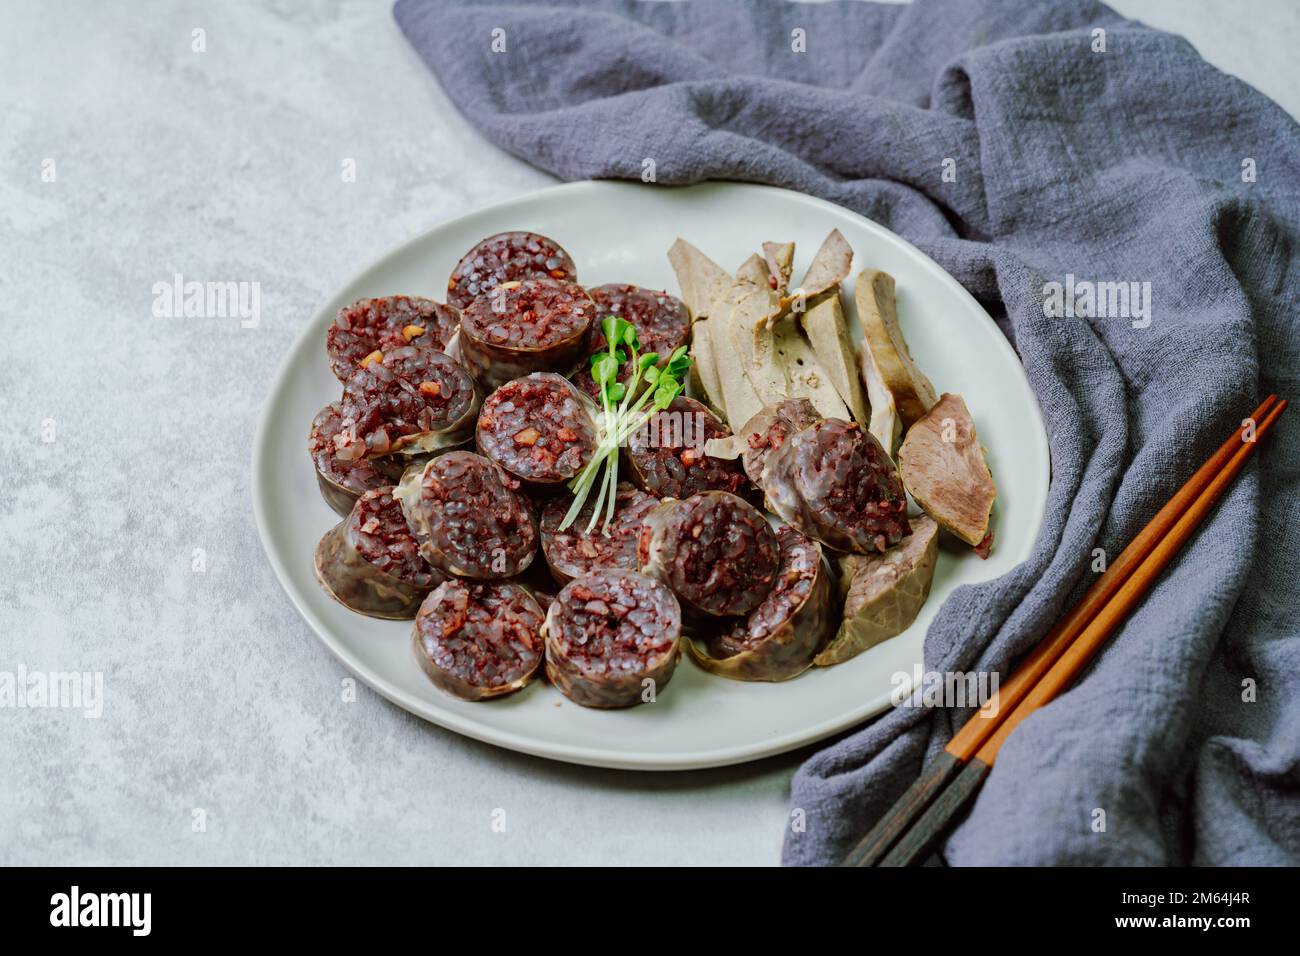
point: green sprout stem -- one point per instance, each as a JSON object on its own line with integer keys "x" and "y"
{"x": 623, "y": 413}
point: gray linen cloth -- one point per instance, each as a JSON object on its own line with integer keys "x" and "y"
{"x": 1107, "y": 156}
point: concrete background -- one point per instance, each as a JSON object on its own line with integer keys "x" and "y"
{"x": 126, "y": 157}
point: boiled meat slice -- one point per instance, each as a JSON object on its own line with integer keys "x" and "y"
{"x": 830, "y": 266}
{"x": 828, "y": 334}
{"x": 878, "y": 312}
{"x": 702, "y": 281}
{"x": 943, "y": 467}
{"x": 780, "y": 262}
{"x": 883, "y": 593}
{"x": 752, "y": 317}
{"x": 885, "y": 424}
{"x": 740, "y": 400}
{"x": 805, "y": 375}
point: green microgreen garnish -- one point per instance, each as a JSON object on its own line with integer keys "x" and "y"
{"x": 621, "y": 415}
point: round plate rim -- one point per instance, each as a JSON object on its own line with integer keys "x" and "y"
{"x": 568, "y": 753}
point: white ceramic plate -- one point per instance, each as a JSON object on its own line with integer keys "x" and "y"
{"x": 620, "y": 232}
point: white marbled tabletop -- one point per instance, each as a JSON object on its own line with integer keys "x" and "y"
{"x": 127, "y": 544}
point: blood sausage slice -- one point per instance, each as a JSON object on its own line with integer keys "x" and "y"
{"x": 479, "y": 639}
{"x": 661, "y": 321}
{"x": 343, "y": 481}
{"x": 612, "y": 639}
{"x": 507, "y": 257}
{"x": 538, "y": 428}
{"x": 768, "y": 430}
{"x": 371, "y": 563}
{"x": 537, "y": 325}
{"x": 835, "y": 483}
{"x": 779, "y": 638}
{"x": 716, "y": 551}
{"x": 380, "y": 325}
{"x": 468, "y": 516}
{"x": 414, "y": 400}
{"x": 575, "y": 551}
{"x": 667, "y": 456}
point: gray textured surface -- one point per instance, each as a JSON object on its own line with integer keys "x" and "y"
{"x": 1129, "y": 161}
{"x": 226, "y": 165}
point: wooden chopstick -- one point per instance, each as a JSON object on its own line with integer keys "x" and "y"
{"x": 919, "y": 841}
{"x": 964, "y": 745}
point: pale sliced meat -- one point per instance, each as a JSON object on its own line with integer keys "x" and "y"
{"x": 830, "y": 267}
{"x": 752, "y": 334}
{"x": 701, "y": 280}
{"x": 883, "y": 593}
{"x": 878, "y": 312}
{"x": 739, "y": 398}
{"x": 805, "y": 375}
{"x": 943, "y": 467}
{"x": 703, "y": 374}
{"x": 780, "y": 263}
{"x": 754, "y": 271}
{"x": 828, "y": 334}
{"x": 778, "y": 360}
{"x": 885, "y": 425}
{"x": 702, "y": 283}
